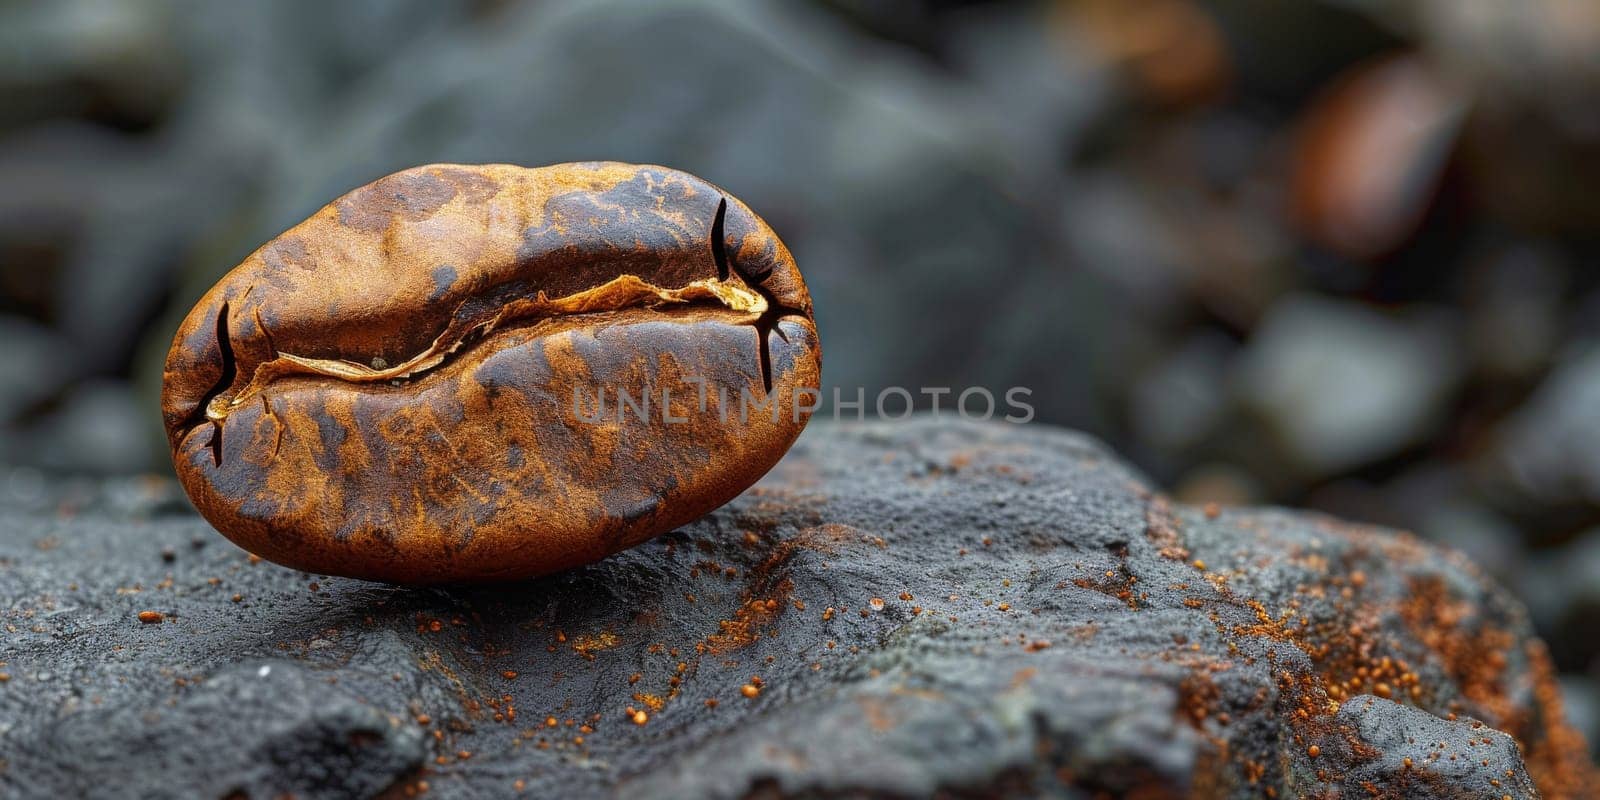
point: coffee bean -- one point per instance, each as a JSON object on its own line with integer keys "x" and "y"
{"x": 486, "y": 372}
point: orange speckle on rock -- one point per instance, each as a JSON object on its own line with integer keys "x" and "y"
{"x": 876, "y": 603}
{"x": 750, "y": 690}
{"x": 152, "y": 617}
{"x": 640, "y": 718}
{"x": 1313, "y": 751}
{"x": 551, "y": 722}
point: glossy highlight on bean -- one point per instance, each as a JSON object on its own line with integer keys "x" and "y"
{"x": 392, "y": 389}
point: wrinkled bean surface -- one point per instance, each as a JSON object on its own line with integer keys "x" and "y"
{"x": 422, "y": 382}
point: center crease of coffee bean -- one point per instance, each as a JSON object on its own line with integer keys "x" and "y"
{"x": 620, "y": 293}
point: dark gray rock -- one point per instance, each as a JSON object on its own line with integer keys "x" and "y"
{"x": 932, "y": 607}
{"x": 1414, "y": 754}
{"x": 260, "y": 728}
{"x": 1343, "y": 385}
{"x": 1549, "y": 450}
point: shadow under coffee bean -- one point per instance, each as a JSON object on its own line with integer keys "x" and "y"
{"x": 393, "y": 389}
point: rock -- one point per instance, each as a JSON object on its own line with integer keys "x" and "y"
{"x": 1532, "y": 151}
{"x": 288, "y": 729}
{"x": 1410, "y": 753}
{"x": 98, "y": 428}
{"x": 899, "y": 609}
{"x": 33, "y": 364}
{"x": 1184, "y": 396}
{"x": 103, "y": 59}
{"x": 1344, "y": 385}
{"x": 1514, "y": 300}
{"x": 1505, "y": 52}
{"x": 1548, "y": 452}
{"x": 1476, "y": 532}
{"x": 1562, "y": 597}
{"x": 1582, "y": 703}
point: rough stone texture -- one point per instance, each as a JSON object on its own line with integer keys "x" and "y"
{"x": 930, "y": 606}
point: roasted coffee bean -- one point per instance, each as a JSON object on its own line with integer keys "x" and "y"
{"x": 486, "y": 372}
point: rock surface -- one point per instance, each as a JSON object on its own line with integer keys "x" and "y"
{"x": 899, "y": 609}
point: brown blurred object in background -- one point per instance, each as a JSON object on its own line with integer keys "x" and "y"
{"x": 1371, "y": 153}
{"x": 1171, "y": 49}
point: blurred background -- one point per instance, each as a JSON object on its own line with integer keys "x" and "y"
{"x": 1333, "y": 254}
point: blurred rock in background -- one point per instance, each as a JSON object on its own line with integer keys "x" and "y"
{"x": 1339, "y": 254}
